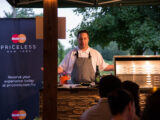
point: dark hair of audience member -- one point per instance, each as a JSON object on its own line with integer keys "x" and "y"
{"x": 133, "y": 88}
{"x": 118, "y": 100}
{"x": 152, "y": 107}
{"x": 108, "y": 84}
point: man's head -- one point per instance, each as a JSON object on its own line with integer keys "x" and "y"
{"x": 133, "y": 88}
{"x": 108, "y": 84}
{"x": 83, "y": 39}
{"x": 121, "y": 104}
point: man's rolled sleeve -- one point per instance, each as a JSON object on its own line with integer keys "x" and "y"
{"x": 101, "y": 63}
{"x": 65, "y": 62}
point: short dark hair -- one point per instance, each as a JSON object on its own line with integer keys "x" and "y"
{"x": 133, "y": 88}
{"x": 108, "y": 84}
{"x": 83, "y": 31}
{"x": 118, "y": 100}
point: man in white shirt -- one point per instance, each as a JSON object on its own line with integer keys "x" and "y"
{"x": 81, "y": 62}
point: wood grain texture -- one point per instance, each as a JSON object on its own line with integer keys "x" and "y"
{"x": 50, "y": 59}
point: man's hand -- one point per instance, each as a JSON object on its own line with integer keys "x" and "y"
{"x": 109, "y": 68}
{"x": 60, "y": 69}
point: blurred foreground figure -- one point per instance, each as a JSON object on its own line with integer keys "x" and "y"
{"x": 133, "y": 88}
{"x": 121, "y": 104}
{"x": 152, "y": 108}
{"x": 101, "y": 110}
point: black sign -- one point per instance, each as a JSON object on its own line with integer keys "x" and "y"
{"x": 21, "y": 60}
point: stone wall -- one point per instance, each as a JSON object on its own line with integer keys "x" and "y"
{"x": 71, "y": 103}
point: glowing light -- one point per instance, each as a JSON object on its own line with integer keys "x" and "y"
{"x": 134, "y": 68}
{"x": 154, "y": 89}
{"x": 148, "y": 80}
{"x": 148, "y": 67}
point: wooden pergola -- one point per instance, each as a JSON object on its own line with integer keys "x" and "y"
{"x": 82, "y": 3}
{"x": 50, "y": 29}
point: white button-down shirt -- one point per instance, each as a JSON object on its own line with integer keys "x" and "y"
{"x": 100, "y": 111}
{"x": 69, "y": 60}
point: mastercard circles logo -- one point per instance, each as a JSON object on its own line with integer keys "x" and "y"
{"x": 19, "y": 115}
{"x": 18, "y": 38}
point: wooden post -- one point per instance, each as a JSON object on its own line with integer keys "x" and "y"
{"x": 50, "y": 60}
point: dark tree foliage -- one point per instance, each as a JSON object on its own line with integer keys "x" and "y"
{"x": 20, "y": 13}
{"x": 134, "y": 28}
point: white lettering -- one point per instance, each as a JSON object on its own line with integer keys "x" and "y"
{"x": 2, "y": 46}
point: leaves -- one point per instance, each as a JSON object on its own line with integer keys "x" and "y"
{"x": 21, "y": 13}
{"x": 61, "y": 52}
{"x": 134, "y": 28}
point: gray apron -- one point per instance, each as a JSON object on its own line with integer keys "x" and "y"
{"x": 83, "y": 71}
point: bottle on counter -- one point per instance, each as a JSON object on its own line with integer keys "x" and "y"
{"x": 97, "y": 75}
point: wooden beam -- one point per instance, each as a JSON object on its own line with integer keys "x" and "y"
{"x": 61, "y": 27}
{"x": 82, "y": 3}
{"x": 50, "y": 60}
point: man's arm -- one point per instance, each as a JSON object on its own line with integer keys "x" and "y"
{"x": 109, "y": 68}
{"x": 65, "y": 63}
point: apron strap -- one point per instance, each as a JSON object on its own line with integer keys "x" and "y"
{"x": 76, "y": 54}
{"x": 89, "y": 56}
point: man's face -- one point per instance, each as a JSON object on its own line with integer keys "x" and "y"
{"x": 83, "y": 41}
